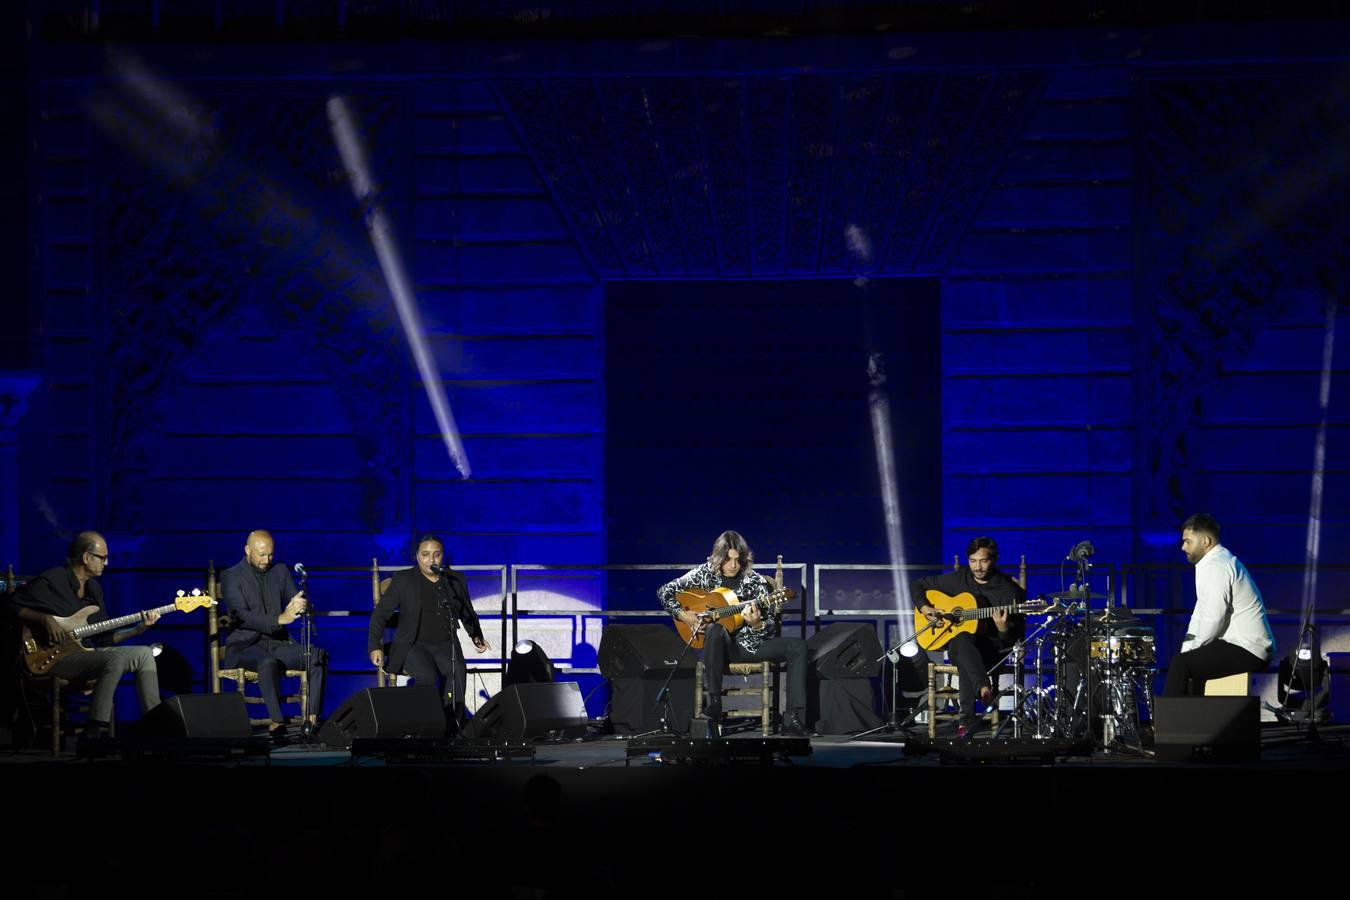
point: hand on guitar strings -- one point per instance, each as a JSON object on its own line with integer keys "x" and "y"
{"x": 693, "y": 620}
{"x": 56, "y": 632}
{"x": 148, "y": 618}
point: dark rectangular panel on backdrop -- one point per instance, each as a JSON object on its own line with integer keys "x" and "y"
{"x": 745, "y": 404}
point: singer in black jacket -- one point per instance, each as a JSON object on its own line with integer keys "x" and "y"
{"x": 263, "y": 597}
{"x": 432, "y": 601}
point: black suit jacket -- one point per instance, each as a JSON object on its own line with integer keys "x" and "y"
{"x": 405, "y": 597}
{"x": 257, "y": 616}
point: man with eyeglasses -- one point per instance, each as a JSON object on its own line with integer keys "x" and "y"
{"x": 64, "y": 591}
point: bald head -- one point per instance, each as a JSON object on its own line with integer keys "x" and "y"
{"x": 258, "y": 550}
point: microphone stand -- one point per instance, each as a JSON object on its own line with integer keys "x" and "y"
{"x": 893, "y": 656}
{"x": 663, "y": 695}
{"x": 307, "y": 631}
{"x": 443, "y": 598}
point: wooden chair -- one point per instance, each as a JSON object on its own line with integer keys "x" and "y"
{"x": 378, "y": 586}
{"x": 763, "y": 692}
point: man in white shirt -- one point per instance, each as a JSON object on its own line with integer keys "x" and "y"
{"x": 1229, "y": 632}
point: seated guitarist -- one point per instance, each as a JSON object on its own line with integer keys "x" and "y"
{"x": 731, "y": 566}
{"x": 66, "y": 590}
{"x": 973, "y": 655}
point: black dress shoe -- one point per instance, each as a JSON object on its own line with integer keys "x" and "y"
{"x": 793, "y": 727}
{"x": 93, "y": 740}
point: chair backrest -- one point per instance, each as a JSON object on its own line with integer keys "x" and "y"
{"x": 215, "y": 650}
{"x": 377, "y": 588}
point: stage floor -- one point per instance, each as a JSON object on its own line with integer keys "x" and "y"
{"x": 602, "y": 818}
{"x": 1282, "y": 746}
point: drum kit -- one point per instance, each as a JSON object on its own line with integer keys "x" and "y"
{"x": 1104, "y": 662}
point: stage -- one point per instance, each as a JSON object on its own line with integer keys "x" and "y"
{"x": 588, "y": 819}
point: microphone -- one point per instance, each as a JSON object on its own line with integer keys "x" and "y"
{"x": 299, "y": 569}
{"x": 439, "y": 569}
{"x": 1081, "y": 551}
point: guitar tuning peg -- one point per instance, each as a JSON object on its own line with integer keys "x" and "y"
{"x": 196, "y": 592}
{"x": 182, "y": 593}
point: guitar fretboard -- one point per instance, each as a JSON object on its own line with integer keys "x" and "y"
{"x": 85, "y": 631}
{"x": 986, "y": 612}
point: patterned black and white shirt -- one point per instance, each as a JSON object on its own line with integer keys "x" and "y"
{"x": 753, "y": 586}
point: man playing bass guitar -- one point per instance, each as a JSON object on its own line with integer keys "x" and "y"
{"x": 731, "y": 566}
{"x": 65, "y": 591}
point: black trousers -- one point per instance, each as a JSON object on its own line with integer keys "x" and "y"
{"x": 441, "y": 665}
{"x": 973, "y": 657}
{"x": 720, "y": 649}
{"x": 270, "y": 659}
{"x": 1188, "y": 672}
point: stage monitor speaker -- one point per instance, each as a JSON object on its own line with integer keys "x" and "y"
{"x": 642, "y": 651}
{"x": 198, "y": 716}
{"x": 1218, "y": 729}
{"x": 841, "y": 705}
{"x": 523, "y": 712}
{"x": 633, "y": 708}
{"x": 391, "y": 712}
{"x": 845, "y": 650}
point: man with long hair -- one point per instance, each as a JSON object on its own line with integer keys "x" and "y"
{"x": 432, "y": 602}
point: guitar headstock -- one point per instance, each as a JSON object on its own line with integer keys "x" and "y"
{"x": 186, "y": 602}
{"x": 1034, "y": 607}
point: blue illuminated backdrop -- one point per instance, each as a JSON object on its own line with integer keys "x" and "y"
{"x": 1127, "y": 258}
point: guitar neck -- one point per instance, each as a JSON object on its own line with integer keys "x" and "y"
{"x": 85, "y": 631}
{"x": 732, "y": 609}
{"x": 987, "y": 612}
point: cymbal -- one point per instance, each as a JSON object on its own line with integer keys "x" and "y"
{"x": 1115, "y": 614}
{"x": 1075, "y": 595}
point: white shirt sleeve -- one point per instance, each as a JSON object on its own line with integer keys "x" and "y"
{"x": 1213, "y": 599}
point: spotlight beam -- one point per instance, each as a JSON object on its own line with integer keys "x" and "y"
{"x": 1312, "y": 545}
{"x": 343, "y": 126}
{"x": 879, "y": 410}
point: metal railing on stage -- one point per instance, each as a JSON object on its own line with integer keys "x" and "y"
{"x": 565, "y": 607}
